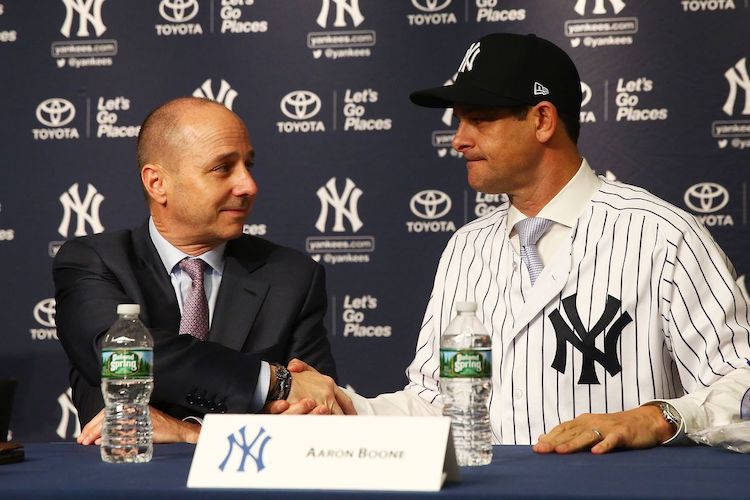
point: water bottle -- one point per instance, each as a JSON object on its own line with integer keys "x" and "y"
{"x": 127, "y": 382}
{"x": 465, "y": 381}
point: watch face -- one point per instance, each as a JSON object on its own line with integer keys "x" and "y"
{"x": 745, "y": 406}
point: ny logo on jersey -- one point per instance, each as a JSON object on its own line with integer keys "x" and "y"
{"x": 246, "y": 450}
{"x": 584, "y": 341}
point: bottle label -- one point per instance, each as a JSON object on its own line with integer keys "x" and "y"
{"x": 465, "y": 363}
{"x": 127, "y": 363}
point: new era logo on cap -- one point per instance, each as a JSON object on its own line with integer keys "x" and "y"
{"x": 540, "y": 89}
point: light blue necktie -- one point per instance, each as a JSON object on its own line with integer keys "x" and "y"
{"x": 529, "y": 231}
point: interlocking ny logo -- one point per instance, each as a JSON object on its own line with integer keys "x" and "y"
{"x": 86, "y": 210}
{"x": 430, "y": 5}
{"x": 246, "y": 450}
{"x": 467, "y": 64}
{"x": 89, "y": 11}
{"x": 617, "y": 6}
{"x": 343, "y": 7}
{"x": 737, "y": 77}
{"x": 584, "y": 341}
{"x": 55, "y": 112}
{"x": 345, "y": 205}
{"x": 225, "y": 96}
{"x": 68, "y": 413}
{"x": 300, "y": 105}
{"x": 178, "y": 11}
{"x": 447, "y": 117}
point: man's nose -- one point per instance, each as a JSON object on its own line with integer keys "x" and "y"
{"x": 460, "y": 141}
{"x": 245, "y": 183}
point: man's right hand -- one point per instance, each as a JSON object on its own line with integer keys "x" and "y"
{"x": 308, "y": 383}
{"x": 166, "y": 429}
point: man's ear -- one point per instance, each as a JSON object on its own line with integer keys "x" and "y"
{"x": 546, "y": 120}
{"x": 155, "y": 181}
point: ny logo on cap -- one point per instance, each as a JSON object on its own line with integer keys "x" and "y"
{"x": 468, "y": 62}
{"x": 540, "y": 89}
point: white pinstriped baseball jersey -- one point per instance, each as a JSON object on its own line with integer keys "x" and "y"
{"x": 638, "y": 303}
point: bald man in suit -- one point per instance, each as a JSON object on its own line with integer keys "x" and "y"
{"x": 266, "y": 303}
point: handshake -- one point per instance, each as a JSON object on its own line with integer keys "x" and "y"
{"x": 311, "y": 393}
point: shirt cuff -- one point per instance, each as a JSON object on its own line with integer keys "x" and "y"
{"x": 261, "y": 389}
{"x": 191, "y": 418}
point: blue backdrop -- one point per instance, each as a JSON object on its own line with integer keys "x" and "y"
{"x": 349, "y": 170}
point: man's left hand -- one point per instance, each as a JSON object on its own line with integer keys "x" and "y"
{"x": 641, "y": 427}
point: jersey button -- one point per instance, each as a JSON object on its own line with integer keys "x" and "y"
{"x": 518, "y": 394}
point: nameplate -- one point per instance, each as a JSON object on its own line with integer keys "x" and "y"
{"x": 323, "y": 452}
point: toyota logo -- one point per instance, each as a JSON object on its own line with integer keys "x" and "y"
{"x": 180, "y": 10}
{"x": 44, "y": 313}
{"x": 300, "y": 105}
{"x": 706, "y": 197}
{"x": 430, "y": 204}
{"x": 586, "y": 94}
{"x": 430, "y": 5}
{"x": 55, "y": 112}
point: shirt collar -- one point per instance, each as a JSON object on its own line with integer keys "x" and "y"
{"x": 170, "y": 255}
{"x": 568, "y": 204}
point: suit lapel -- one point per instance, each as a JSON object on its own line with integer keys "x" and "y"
{"x": 239, "y": 301}
{"x": 160, "y": 302}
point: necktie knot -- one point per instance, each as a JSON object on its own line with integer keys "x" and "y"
{"x": 529, "y": 231}
{"x": 194, "y": 319}
{"x": 194, "y": 268}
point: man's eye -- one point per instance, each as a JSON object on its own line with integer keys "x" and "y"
{"x": 221, "y": 168}
{"x": 473, "y": 120}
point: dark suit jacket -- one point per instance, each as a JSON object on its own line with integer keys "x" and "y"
{"x": 270, "y": 307}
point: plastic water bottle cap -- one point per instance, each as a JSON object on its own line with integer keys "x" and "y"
{"x": 466, "y": 306}
{"x": 128, "y": 309}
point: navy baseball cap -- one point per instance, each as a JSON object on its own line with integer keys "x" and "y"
{"x": 504, "y": 69}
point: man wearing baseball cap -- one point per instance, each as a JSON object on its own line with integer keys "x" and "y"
{"x": 616, "y": 320}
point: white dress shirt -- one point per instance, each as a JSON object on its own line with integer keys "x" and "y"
{"x": 181, "y": 282}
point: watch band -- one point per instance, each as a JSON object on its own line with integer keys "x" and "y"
{"x": 673, "y": 417}
{"x": 282, "y": 385}
{"x": 670, "y": 414}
